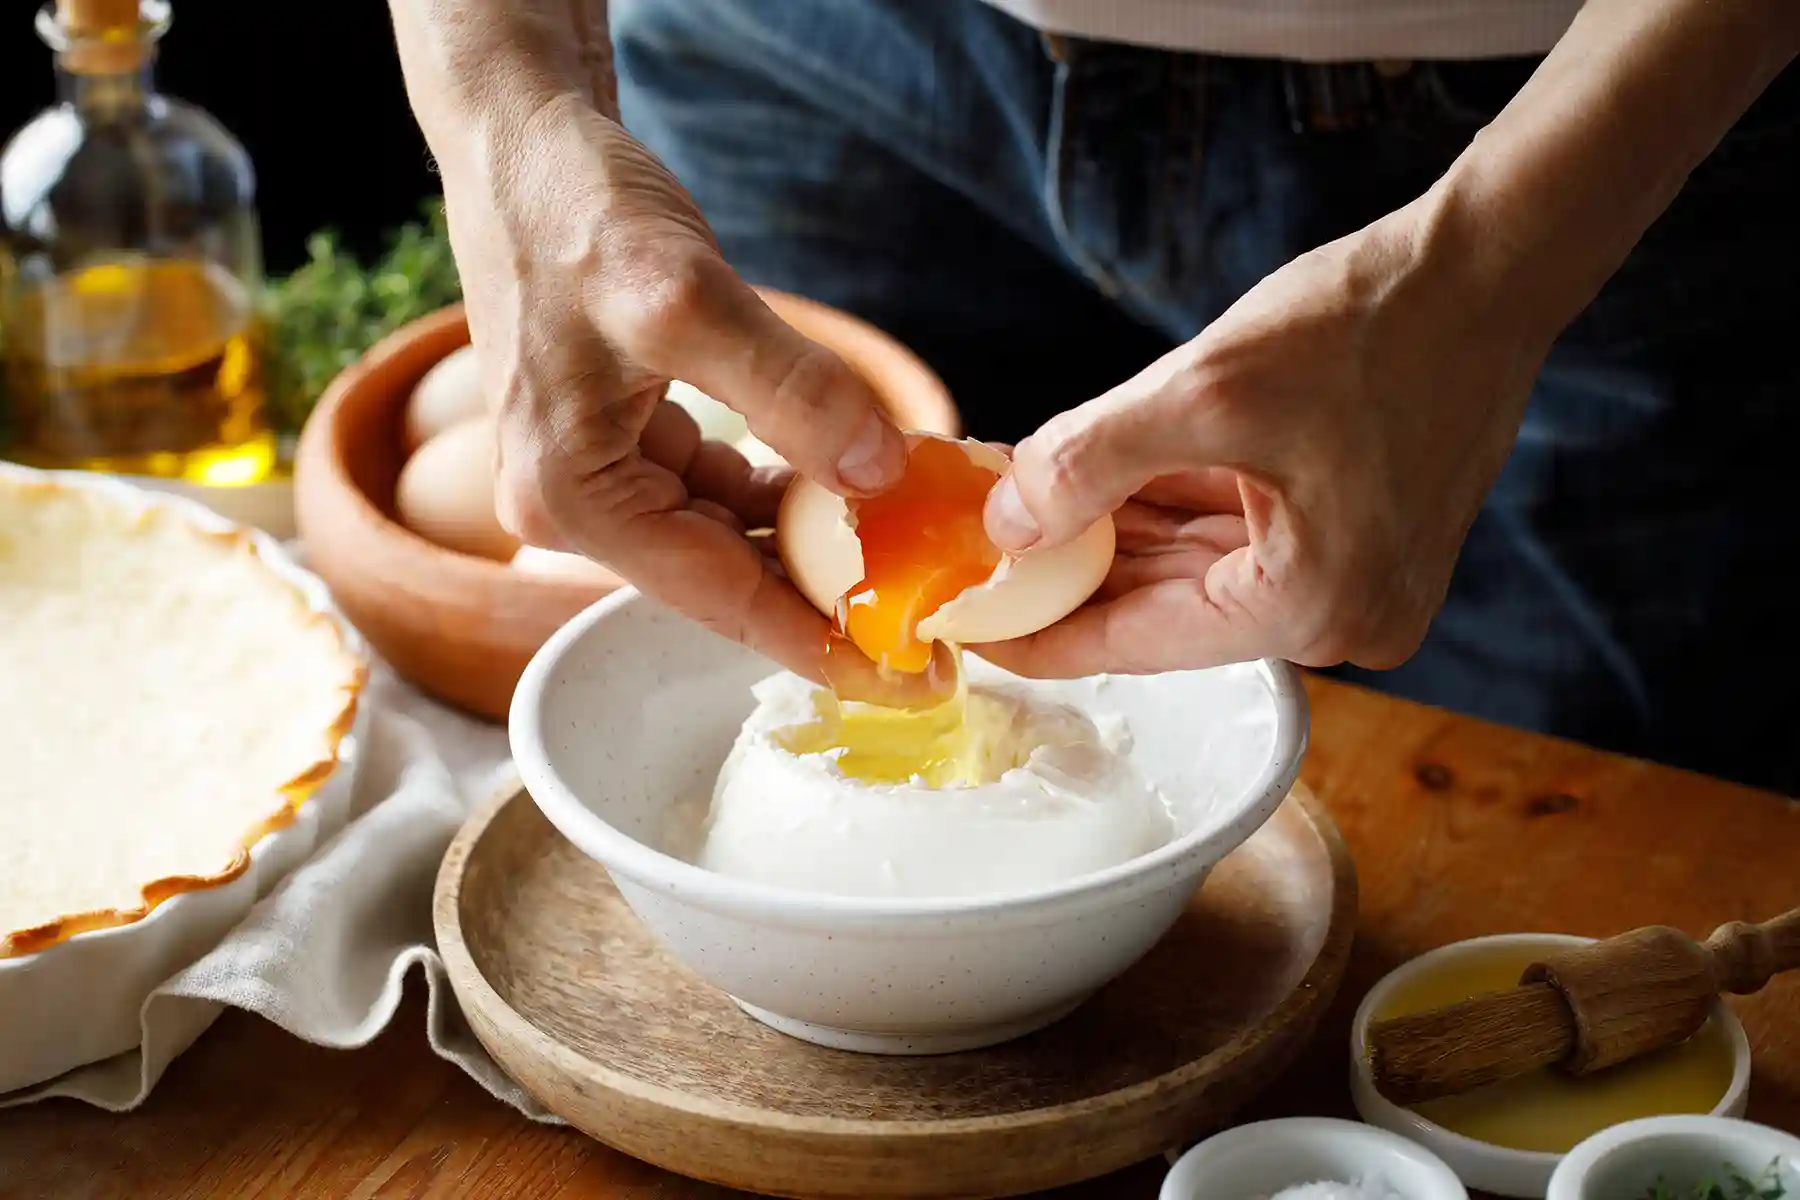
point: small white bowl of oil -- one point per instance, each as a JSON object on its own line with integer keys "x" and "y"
{"x": 1681, "y": 1158}
{"x": 1310, "y": 1158}
{"x": 1507, "y": 1139}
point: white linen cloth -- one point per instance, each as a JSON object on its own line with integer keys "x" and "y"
{"x": 325, "y": 955}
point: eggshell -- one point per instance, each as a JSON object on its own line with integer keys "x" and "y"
{"x": 446, "y": 493}
{"x": 1026, "y": 593}
{"x": 449, "y": 394}
{"x": 556, "y": 564}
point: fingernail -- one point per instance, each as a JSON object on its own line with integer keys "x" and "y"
{"x": 872, "y": 459}
{"x": 1008, "y": 522}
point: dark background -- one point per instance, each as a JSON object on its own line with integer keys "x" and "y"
{"x": 312, "y": 89}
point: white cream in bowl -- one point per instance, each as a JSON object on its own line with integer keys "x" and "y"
{"x": 624, "y": 719}
{"x": 1053, "y": 796}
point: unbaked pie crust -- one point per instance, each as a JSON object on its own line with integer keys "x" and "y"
{"x": 167, "y": 699}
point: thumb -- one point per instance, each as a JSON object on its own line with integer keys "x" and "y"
{"x": 1084, "y": 463}
{"x": 799, "y": 398}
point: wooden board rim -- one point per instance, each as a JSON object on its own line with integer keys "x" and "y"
{"x": 473, "y": 989}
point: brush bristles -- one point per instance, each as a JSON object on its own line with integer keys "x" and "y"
{"x": 1480, "y": 1041}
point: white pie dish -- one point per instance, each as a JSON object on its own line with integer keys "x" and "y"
{"x": 630, "y": 709}
{"x": 78, "y": 1001}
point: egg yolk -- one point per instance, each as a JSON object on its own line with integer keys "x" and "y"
{"x": 923, "y": 544}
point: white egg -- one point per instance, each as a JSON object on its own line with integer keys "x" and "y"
{"x": 1026, "y": 593}
{"x": 557, "y": 564}
{"x": 445, "y": 493}
{"x": 717, "y": 422}
{"x": 449, "y": 394}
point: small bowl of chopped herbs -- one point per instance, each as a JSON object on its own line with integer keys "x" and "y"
{"x": 1681, "y": 1158}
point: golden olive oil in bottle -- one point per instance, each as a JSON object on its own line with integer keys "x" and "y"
{"x": 130, "y": 261}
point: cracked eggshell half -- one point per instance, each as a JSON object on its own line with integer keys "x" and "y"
{"x": 822, "y": 556}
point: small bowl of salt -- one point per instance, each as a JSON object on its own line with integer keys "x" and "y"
{"x": 1310, "y": 1158}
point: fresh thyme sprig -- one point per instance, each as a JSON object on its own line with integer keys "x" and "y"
{"x": 326, "y": 314}
{"x": 1732, "y": 1184}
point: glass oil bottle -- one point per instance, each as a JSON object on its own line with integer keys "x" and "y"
{"x": 130, "y": 262}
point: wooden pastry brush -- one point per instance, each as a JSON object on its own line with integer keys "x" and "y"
{"x": 1582, "y": 1010}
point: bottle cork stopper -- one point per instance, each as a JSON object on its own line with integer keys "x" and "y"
{"x": 104, "y": 35}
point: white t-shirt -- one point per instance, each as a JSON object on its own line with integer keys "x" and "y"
{"x": 1312, "y": 30}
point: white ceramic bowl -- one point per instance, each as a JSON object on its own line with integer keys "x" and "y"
{"x": 1267, "y": 1157}
{"x": 80, "y": 1000}
{"x": 1622, "y": 1163}
{"x": 631, "y": 708}
{"x": 1483, "y": 1166}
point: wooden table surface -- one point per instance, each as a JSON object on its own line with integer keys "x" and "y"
{"x": 1458, "y": 828}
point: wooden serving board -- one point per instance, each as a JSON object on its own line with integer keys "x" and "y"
{"x": 578, "y": 1001}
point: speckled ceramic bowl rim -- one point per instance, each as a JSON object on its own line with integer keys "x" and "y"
{"x": 1186, "y": 856}
{"x": 1456, "y": 1148}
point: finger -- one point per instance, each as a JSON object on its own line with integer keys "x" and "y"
{"x": 1135, "y": 572}
{"x": 721, "y": 514}
{"x": 1141, "y": 530}
{"x": 1213, "y": 490}
{"x": 671, "y": 437}
{"x": 718, "y": 473}
{"x": 799, "y": 398}
{"x": 711, "y": 470}
{"x": 717, "y": 577}
{"x": 1084, "y": 463}
{"x": 577, "y": 475}
{"x": 639, "y": 519}
{"x": 561, "y": 406}
{"x": 1161, "y": 544}
{"x": 1178, "y": 624}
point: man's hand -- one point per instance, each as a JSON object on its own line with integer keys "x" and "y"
{"x": 596, "y": 283}
{"x": 591, "y": 282}
{"x": 1297, "y": 482}
{"x": 1294, "y": 483}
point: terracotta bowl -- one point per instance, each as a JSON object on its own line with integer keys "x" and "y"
{"x": 459, "y": 627}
